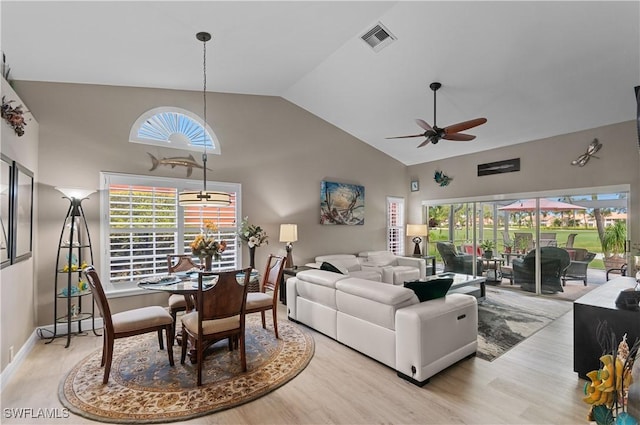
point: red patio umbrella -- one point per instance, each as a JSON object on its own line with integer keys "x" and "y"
{"x": 545, "y": 205}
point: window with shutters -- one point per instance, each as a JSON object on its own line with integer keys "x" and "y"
{"x": 395, "y": 225}
{"x": 143, "y": 223}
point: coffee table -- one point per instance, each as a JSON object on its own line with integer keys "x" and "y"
{"x": 463, "y": 283}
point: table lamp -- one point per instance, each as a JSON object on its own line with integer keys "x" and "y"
{"x": 289, "y": 234}
{"x": 417, "y": 230}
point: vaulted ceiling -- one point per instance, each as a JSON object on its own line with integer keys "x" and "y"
{"x": 533, "y": 69}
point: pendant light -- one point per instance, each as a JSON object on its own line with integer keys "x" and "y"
{"x": 204, "y": 197}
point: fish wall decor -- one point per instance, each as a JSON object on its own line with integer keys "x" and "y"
{"x": 182, "y": 161}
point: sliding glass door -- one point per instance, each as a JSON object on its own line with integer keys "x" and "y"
{"x": 537, "y": 242}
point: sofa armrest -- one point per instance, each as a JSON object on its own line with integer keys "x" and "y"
{"x": 433, "y": 335}
{"x": 418, "y": 263}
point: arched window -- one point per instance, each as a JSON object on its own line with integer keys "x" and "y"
{"x": 174, "y": 128}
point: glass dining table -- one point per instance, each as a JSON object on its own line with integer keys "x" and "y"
{"x": 186, "y": 284}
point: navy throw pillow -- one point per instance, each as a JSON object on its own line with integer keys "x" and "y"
{"x": 430, "y": 289}
{"x": 329, "y": 267}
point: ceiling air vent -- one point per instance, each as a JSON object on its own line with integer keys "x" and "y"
{"x": 378, "y": 37}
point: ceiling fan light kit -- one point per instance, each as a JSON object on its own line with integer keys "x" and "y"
{"x": 452, "y": 132}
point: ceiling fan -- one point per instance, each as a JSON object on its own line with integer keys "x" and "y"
{"x": 435, "y": 133}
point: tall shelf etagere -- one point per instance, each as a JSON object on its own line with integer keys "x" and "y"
{"x": 74, "y": 253}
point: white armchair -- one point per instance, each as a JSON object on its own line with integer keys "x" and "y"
{"x": 395, "y": 269}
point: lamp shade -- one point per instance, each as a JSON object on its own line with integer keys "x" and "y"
{"x": 204, "y": 198}
{"x": 417, "y": 230}
{"x": 75, "y": 192}
{"x": 288, "y": 233}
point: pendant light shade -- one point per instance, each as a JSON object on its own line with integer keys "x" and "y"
{"x": 204, "y": 197}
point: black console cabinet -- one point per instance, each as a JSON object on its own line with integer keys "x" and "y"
{"x": 592, "y": 309}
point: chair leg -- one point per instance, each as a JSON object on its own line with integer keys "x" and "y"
{"x": 183, "y": 353}
{"x": 174, "y": 316}
{"x": 243, "y": 354}
{"x": 275, "y": 322}
{"x": 200, "y": 359}
{"x": 108, "y": 351}
{"x": 104, "y": 348}
{"x": 264, "y": 322}
{"x": 168, "y": 330}
{"x": 160, "y": 343}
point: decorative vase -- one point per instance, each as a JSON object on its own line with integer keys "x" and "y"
{"x": 208, "y": 259}
{"x": 252, "y": 257}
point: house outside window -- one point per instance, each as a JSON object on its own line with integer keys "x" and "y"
{"x": 143, "y": 223}
{"x": 395, "y": 225}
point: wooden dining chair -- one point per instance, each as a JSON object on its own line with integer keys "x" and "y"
{"x": 127, "y": 323}
{"x": 220, "y": 314}
{"x": 267, "y": 298}
{"x": 179, "y": 263}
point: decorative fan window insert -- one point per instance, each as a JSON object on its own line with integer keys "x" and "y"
{"x": 174, "y": 128}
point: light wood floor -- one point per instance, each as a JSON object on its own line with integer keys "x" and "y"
{"x": 533, "y": 383}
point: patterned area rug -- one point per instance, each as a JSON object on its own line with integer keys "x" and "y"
{"x": 506, "y": 317}
{"x": 143, "y": 388}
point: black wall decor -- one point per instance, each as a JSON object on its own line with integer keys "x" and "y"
{"x": 499, "y": 167}
{"x": 637, "y": 89}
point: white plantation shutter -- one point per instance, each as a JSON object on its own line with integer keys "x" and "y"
{"x": 395, "y": 225}
{"x": 145, "y": 223}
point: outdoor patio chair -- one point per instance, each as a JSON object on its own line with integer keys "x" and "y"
{"x": 457, "y": 262}
{"x": 570, "y": 239}
{"x": 553, "y": 262}
{"x": 577, "y": 270}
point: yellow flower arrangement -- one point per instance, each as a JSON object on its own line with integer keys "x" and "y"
{"x": 205, "y": 244}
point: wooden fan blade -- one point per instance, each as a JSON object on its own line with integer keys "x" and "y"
{"x": 455, "y": 128}
{"x": 404, "y": 137}
{"x": 423, "y": 124}
{"x": 425, "y": 143}
{"x": 459, "y": 137}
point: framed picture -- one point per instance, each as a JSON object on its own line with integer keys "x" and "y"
{"x": 341, "y": 203}
{"x": 22, "y": 212}
{"x": 6, "y": 228}
{"x": 415, "y": 186}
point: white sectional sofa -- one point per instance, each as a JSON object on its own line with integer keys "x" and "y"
{"x": 386, "y": 322}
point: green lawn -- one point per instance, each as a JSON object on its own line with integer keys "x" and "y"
{"x": 587, "y": 239}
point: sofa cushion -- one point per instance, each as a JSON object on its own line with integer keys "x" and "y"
{"x": 372, "y": 301}
{"x": 381, "y": 258}
{"x": 368, "y": 274}
{"x": 430, "y": 289}
{"x": 320, "y": 277}
{"x": 331, "y": 268}
{"x": 379, "y": 292}
{"x": 318, "y": 286}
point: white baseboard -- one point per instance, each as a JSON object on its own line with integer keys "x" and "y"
{"x": 24, "y": 351}
{"x": 12, "y": 367}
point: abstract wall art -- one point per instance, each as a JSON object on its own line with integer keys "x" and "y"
{"x": 341, "y": 203}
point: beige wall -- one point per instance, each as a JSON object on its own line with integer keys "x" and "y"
{"x": 278, "y": 152}
{"x": 17, "y": 288}
{"x": 545, "y": 167}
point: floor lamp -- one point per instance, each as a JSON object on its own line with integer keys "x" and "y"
{"x": 417, "y": 230}
{"x": 289, "y": 234}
